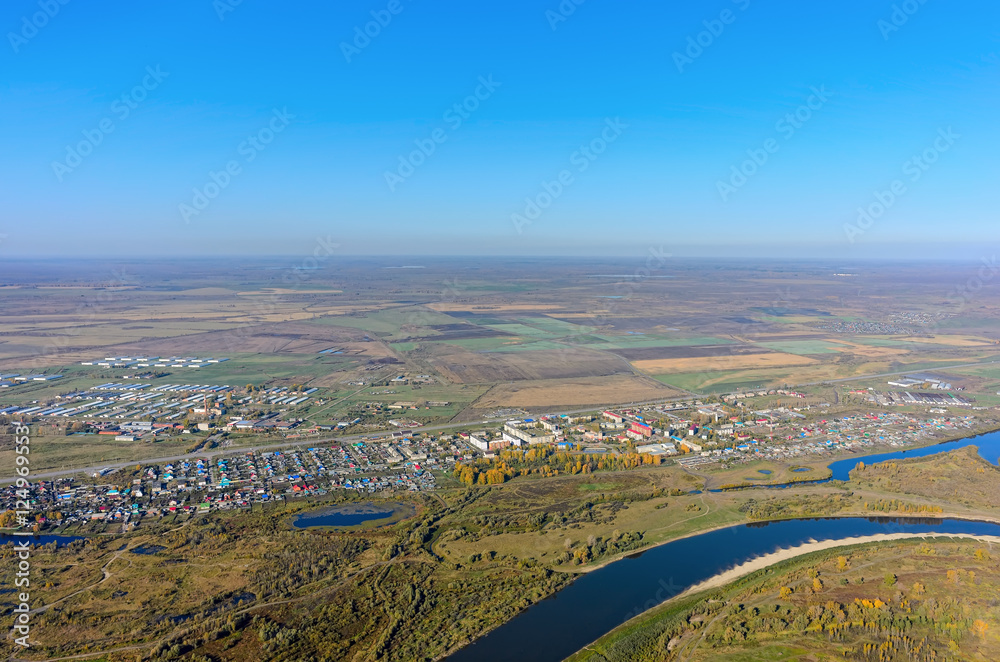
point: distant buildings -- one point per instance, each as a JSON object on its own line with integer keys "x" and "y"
{"x": 518, "y": 431}
{"x": 152, "y": 362}
{"x": 921, "y": 381}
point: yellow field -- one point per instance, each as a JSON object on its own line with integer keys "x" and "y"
{"x": 954, "y": 341}
{"x": 714, "y": 363}
{"x": 868, "y": 351}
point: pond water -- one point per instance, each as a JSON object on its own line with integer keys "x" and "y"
{"x": 988, "y": 444}
{"x": 347, "y": 515}
{"x": 601, "y": 600}
{"x": 147, "y": 549}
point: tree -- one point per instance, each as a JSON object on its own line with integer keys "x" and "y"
{"x": 784, "y": 592}
{"x": 979, "y": 628}
{"x": 889, "y": 579}
{"x": 842, "y": 563}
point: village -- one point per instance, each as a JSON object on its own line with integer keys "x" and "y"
{"x": 696, "y": 433}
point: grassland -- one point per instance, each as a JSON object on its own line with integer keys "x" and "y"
{"x": 713, "y": 363}
{"x": 804, "y": 347}
{"x": 56, "y": 452}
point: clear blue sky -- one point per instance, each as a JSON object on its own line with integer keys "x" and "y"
{"x": 657, "y": 183}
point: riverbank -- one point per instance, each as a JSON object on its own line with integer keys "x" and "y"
{"x": 768, "y": 560}
{"x": 846, "y": 515}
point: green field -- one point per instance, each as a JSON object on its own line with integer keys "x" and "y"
{"x": 404, "y": 346}
{"x": 555, "y": 326}
{"x": 803, "y": 347}
{"x": 641, "y": 341}
{"x": 522, "y": 330}
{"x": 532, "y": 346}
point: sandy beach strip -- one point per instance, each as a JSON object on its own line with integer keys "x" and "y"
{"x": 762, "y": 562}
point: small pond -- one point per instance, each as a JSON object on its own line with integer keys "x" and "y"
{"x": 350, "y": 514}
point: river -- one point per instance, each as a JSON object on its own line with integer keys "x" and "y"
{"x": 599, "y": 601}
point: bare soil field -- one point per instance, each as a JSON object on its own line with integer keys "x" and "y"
{"x": 572, "y": 392}
{"x": 464, "y": 367}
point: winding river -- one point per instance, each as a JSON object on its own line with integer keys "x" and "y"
{"x": 599, "y": 601}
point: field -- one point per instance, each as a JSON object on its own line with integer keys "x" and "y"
{"x": 541, "y": 336}
{"x": 711, "y": 364}
{"x": 551, "y": 393}
{"x": 543, "y": 333}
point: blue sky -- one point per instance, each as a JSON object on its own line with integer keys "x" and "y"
{"x": 333, "y": 114}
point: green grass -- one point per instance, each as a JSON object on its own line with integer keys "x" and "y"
{"x": 690, "y": 381}
{"x": 589, "y": 487}
{"x": 769, "y": 653}
{"x": 49, "y": 453}
{"x": 555, "y": 326}
{"x": 986, "y": 371}
{"x": 404, "y": 346}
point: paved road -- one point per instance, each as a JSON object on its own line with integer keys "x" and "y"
{"x": 313, "y": 441}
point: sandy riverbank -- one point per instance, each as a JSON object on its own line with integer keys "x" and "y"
{"x": 762, "y": 562}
